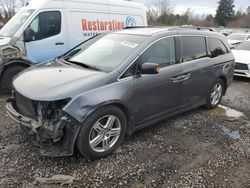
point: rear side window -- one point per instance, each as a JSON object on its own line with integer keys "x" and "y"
{"x": 193, "y": 48}
{"x": 217, "y": 47}
{"x": 46, "y": 24}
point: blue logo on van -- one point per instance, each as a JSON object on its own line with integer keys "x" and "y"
{"x": 130, "y": 21}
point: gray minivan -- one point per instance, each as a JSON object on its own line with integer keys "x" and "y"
{"x": 117, "y": 83}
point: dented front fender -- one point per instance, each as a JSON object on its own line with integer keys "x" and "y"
{"x": 86, "y": 103}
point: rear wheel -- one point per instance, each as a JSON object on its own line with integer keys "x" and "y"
{"x": 102, "y": 133}
{"x": 215, "y": 94}
{"x": 8, "y": 75}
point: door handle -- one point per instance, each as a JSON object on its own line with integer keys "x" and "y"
{"x": 186, "y": 76}
{"x": 176, "y": 78}
{"x": 181, "y": 78}
{"x": 59, "y": 43}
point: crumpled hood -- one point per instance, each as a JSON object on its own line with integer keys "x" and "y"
{"x": 56, "y": 81}
{"x": 242, "y": 56}
{"x": 4, "y": 40}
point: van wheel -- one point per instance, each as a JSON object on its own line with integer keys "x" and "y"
{"x": 8, "y": 75}
{"x": 102, "y": 133}
{"x": 215, "y": 94}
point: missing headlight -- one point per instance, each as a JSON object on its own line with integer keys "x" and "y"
{"x": 52, "y": 119}
{"x": 50, "y": 111}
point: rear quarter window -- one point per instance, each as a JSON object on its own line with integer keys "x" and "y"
{"x": 194, "y": 47}
{"x": 217, "y": 48}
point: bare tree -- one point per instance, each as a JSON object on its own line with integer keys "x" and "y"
{"x": 157, "y": 10}
{"x": 8, "y": 7}
{"x": 23, "y": 2}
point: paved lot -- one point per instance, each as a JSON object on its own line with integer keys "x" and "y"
{"x": 195, "y": 149}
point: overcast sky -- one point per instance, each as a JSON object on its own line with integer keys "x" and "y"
{"x": 200, "y": 6}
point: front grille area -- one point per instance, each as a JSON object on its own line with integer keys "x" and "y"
{"x": 241, "y": 66}
{"x": 25, "y": 106}
{"x": 241, "y": 73}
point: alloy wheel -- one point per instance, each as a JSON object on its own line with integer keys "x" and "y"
{"x": 216, "y": 94}
{"x": 105, "y": 133}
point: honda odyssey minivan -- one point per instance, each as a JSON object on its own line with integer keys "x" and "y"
{"x": 117, "y": 83}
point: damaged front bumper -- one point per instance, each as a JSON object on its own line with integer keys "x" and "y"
{"x": 54, "y": 141}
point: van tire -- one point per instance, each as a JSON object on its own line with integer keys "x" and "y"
{"x": 84, "y": 137}
{"x": 7, "y": 76}
{"x": 210, "y": 104}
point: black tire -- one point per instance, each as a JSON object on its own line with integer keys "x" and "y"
{"x": 83, "y": 142}
{"x": 209, "y": 104}
{"x": 8, "y": 75}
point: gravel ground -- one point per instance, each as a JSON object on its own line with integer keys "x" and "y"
{"x": 189, "y": 150}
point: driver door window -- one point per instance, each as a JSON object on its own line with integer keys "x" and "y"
{"x": 161, "y": 53}
{"x": 46, "y": 24}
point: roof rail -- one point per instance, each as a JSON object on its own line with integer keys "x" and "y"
{"x": 136, "y": 27}
{"x": 193, "y": 27}
{"x": 174, "y": 27}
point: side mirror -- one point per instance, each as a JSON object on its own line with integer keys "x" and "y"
{"x": 28, "y": 35}
{"x": 150, "y": 68}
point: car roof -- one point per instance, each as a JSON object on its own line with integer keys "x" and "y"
{"x": 152, "y": 31}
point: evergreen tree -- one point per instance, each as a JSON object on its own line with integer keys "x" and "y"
{"x": 225, "y": 12}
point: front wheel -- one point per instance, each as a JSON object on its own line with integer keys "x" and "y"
{"x": 102, "y": 133}
{"x": 8, "y": 75}
{"x": 215, "y": 94}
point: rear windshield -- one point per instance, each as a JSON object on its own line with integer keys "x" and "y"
{"x": 244, "y": 46}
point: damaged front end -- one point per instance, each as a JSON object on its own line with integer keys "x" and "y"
{"x": 48, "y": 125}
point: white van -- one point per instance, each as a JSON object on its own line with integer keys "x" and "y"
{"x": 45, "y": 29}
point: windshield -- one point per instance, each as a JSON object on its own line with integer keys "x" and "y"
{"x": 16, "y": 22}
{"x": 237, "y": 37}
{"x": 105, "y": 52}
{"x": 244, "y": 46}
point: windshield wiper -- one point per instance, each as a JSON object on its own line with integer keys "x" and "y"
{"x": 84, "y": 65}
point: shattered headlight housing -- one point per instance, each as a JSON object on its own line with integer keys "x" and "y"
{"x": 50, "y": 110}
{"x": 52, "y": 119}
